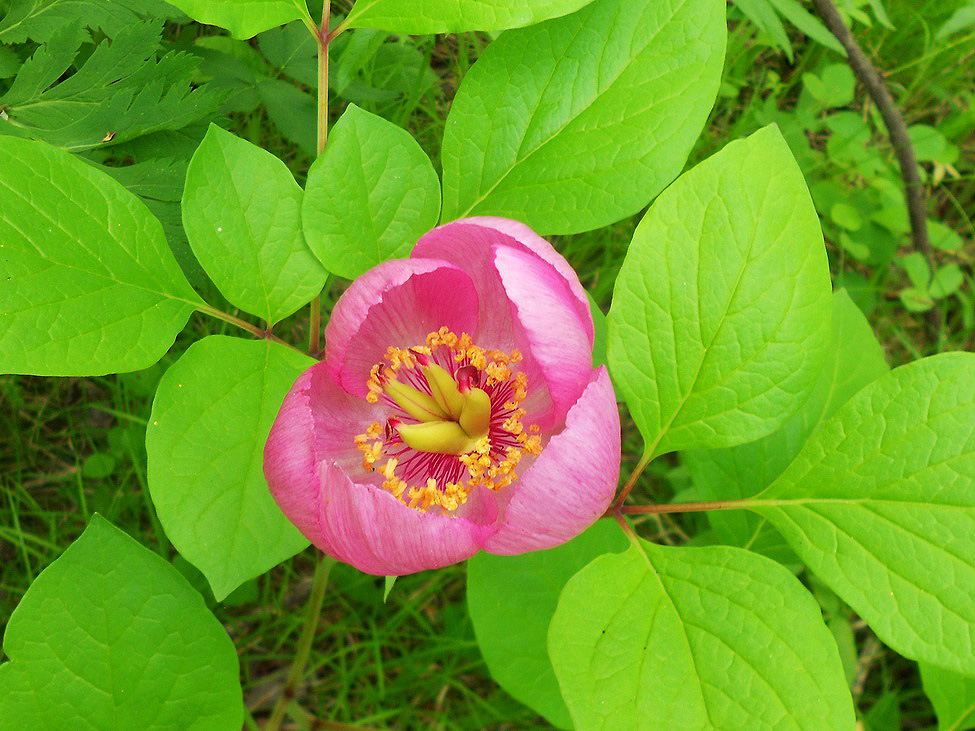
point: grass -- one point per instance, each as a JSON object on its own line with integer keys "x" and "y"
{"x": 70, "y": 447}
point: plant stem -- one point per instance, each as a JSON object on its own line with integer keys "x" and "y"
{"x": 303, "y": 650}
{"x": 631, "y": 481}
{"x": 681, "y": 507}
{"x": 315, "y": 319}
{"x": 243, "y": 325}
{"x": 868, "y": 75}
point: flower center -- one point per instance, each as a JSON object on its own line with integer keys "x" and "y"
{"x": 455, "y": 421}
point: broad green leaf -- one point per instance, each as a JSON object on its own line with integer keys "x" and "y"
{"x": 720, "y": 317}
{"x": 369, "y": 196}
{"x": 242, "y": 215}
{"x": 952, "y": 695}
{"x": 205, "y": 443}
{"x": 420, "y": 17}
{"x": 110, "y": 636}
{"x": 962, "y": 19}
{"x": 89, "y": 285}
{"x": 880, "y": 504}
{"x": 119, "y": 92}
{"x": 854, "y": 359}
{"x": 38, "y": 20}
{"x": 511, "y": 600}
{"x": 243, "y": 18}
{"x": 578, "y": 122}
{"x": 694, "y": 638}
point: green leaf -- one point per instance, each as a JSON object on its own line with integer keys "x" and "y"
{"x": 944, "y": 237}
{"x": 952, "y": 695}
{"x": 90, "y": 286}
{"x": 917, "y": 269}
{"x": 243, "y": 18}
{"x": 855, "y": 359}
{"x": 511, "y": 600}
{"x": 946, "y": 281}
{"x": 242, "y": 215}
{"x": 577, "y": 122}
{"x": 369, "y": 196}
{"x": 39, "y": 20}
{"x": 121, "y": 91}
{"x": 110, "y": 636}
{"x": 717, "y": 637}
{"x": 720, "y": 315}
{"x": 962, "y": 19}
{"x": 205, "y": 443}
{"x": 880, "y": 504}
{"x": 421, "y": 17}
{"x": 763, "y": 15}
{"x": 809, "y": 24}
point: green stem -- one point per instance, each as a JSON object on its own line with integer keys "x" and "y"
{"x": 303, "y": 650}
{"x": 631, "y": 480}
{"x": 243, "y": 325}
{"x": 323, "y": 37}
{"x": 683, "y": 507}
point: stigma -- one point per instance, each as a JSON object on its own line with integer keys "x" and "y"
{"x": 453, "y": 421}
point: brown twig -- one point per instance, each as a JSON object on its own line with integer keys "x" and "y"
{"x": 871, "y": 79}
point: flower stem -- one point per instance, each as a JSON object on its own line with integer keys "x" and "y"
{"x": 323, "y": 37}
{"x": 303, "y": 650}
{"x": 631, "y": 480}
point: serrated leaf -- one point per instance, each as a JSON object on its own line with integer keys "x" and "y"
{"x": 952, "y": 695}
{"x": 110, "y": 636}
{"x": 420, "y": 17}
{"x": 720, "y": 316}
{"x": 205, "y": 444}
{"x": 511, "y": 600}
{"x": 880, "y": 504}
{"x": 89, "y": 285}
{"x": 573, "y": 123}
{"x": 120, "y": 92}
{"x": 369, "y": 196}
{"x": 242, "y": 216}
{"x": 39, "y": 20}
{"x": 243, "y": 18}
{"x": 855, "y": 359}
{"x": 685, "y": 638}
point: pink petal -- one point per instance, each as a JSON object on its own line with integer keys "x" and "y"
{"x": 308, "y": 459}
{"x": 572, "y": 482}
{"x": 396, "y": 303}
{"x": 557, "y": 339}
{"x": 545, "y": 251}
{"x": 471, "y": 248}
{"x": 367, "y": 527}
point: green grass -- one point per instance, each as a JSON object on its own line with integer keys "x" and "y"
{"x": 71, "y": 446}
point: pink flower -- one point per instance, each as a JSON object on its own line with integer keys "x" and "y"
{"x": 456, "y": 409}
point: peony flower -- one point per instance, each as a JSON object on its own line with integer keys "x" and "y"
{"x": 456, "y": 408}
